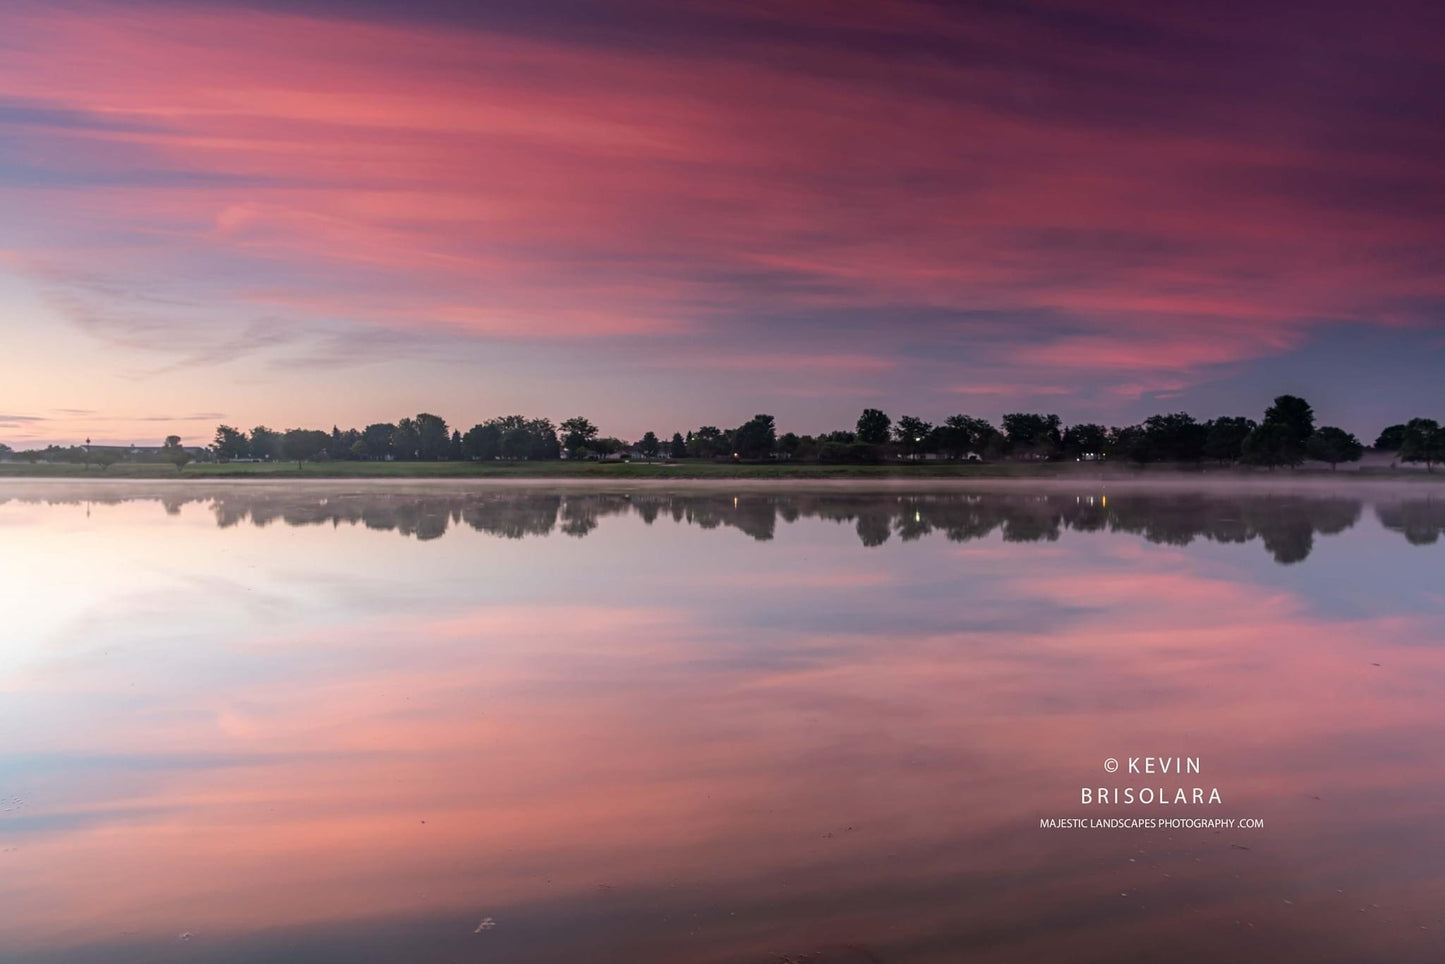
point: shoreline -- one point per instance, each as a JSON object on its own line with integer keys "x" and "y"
{"x": 774, "y": 472}
{"x": 1320, "y": 484}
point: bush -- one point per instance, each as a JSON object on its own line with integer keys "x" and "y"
{"x": 855, "y": 453}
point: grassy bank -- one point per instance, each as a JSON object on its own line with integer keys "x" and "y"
{"x": 684, "y": 469}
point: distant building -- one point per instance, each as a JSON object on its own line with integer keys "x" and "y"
{"x": 147, "y": 453}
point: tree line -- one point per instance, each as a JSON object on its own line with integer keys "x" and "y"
{"x": 1287, "y": 525}
{"x": 1286, "y": 435}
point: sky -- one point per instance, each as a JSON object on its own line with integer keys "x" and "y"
{"x": 667, "y": 214}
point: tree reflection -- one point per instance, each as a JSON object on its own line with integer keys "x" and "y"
{"x": 1422, "y": 521}
{"x": 1286, "y": 525}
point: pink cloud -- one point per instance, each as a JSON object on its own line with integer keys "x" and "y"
{"x": 539, "y": 188}
{"x": 1007, "y": 389}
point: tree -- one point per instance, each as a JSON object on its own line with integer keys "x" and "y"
{"x": 577, "y": 433}
{"x": 303, "y": 445}
{"x": 1295, "y": 415}
{"x": 1086, "y": 439}
{"x": 678, "y": 448}
{"x": 454, "y": 447}
{"x": 1129, "y": 443}
{"x": 514, "y": 441}
{"x": 954, "y": 437}
{"x": 648, "y": 444}
{"x": 873, "y": 427}
{"x": 1333, "y": 445}
{"x": 265, "y": 444}
{"x": 406, "y": 440}
{"x": 537, "y": 439}
{"x": 961, "y": 434}
{"x": 345, "y": 445}
{"x": 105, "y": 458}
{"x": 1272, "y": 444}
{"x": 707, "y": 442}
{"x": 754, "y": 439}
{"x": 789, "y": 444}
{"x": 911, "y": 432}
{"x": 5, "y": 452}
{"x": 1174, "y": 438}
{"x": 1224, "y": 440}
{"x": 376, "y": 440}
{"x": 175, "y": 453}
{"x": 231, "y": 444}
{"x": 1391, "y": 438}
{"x": 515, "y": 437}
{"x": 1424, "y": 441}
{"x": 483, "y": 442}
{"x": 1031, "y": 435}
{"x": 433, "y": 437}
{"x": 607, "y": 445}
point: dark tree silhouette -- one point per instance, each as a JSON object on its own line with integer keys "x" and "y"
{"x": 406, "y": 440}
{"x": 1424, "y": 441}
{"x": 265, "y": 444}
{"x": 376, "y": 440}
{"x": 433, "y": 437}
{"x": 1032, "y": 435}
{"x": 1085, "y": 439}
{"x": 1333, "y": 445}
{"x": 231, "y": 444}
{"x": 912, "y": 434}
{"x": 1295, "y": 415}
{"x": 576, "y": 433}
{"x": 1390, "y": 439}
{"x": 1272, "y": 444}
{"x": 873, "y": 427}
{"x": 1224, "y": 442}
{"x": 1174, "y": 438}
{"x": 175, "y": 453}
{"x": 483, "y": 442}
{"x": 303, "y": 445}
{"x": 754, "y": 439}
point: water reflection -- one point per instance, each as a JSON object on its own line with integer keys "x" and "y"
{"x": 721, "y": 728}
{"x": 1285, "y": 524}
{"x": 1421, "y": 521}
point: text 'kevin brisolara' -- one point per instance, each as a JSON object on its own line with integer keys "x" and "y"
{"x": 1146, "y": 795}
{"x": 1149, "y": 823}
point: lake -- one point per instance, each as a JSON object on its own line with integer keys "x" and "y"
{"x": 372, "y": 722}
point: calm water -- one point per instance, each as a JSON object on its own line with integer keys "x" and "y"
{"x": 435, "y": 724}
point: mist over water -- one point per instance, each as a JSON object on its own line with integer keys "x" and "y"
{"x": 1286, "y": 523}
{"x": 253, "y": 723}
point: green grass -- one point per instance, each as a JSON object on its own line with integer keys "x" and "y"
{"x": 684, "y": 469}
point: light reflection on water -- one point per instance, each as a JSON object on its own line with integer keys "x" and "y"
{"x": 713, "y": 726}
